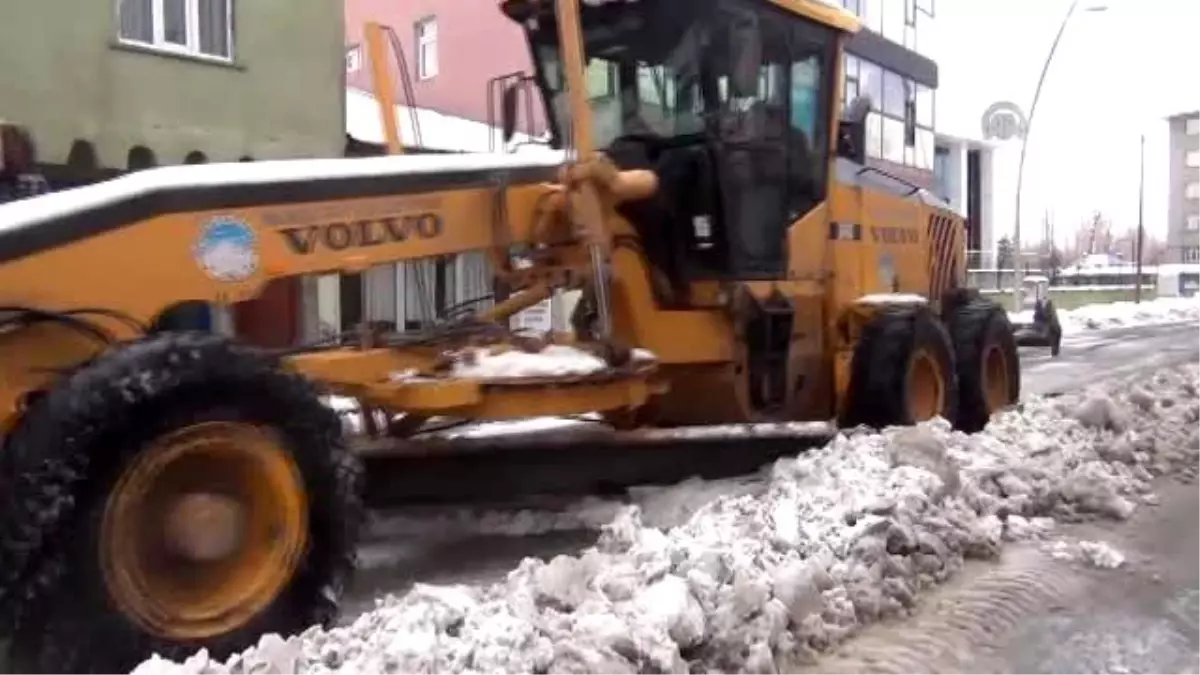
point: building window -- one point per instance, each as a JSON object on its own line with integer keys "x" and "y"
{"x": 601, "y": 79}
{"x": 910, "y": 115}
{"x": 941, "y": 170}
{"x": 427, "y": 55}
{"x": 353, "y": 59}
{"x": 1193, "y": 191}
{"x": 901, "y": 127}
{"x": 1193, "y": 158}
{"x": 850, "y": 91}
{"x": 871, "y": 12}
{"x": 852, "y": 5}
{"x": 1193, "y": 126}
{"x": 1193, "y": 222}
{"x": 1191, "y": 255}
{"x": 201, "y": 28}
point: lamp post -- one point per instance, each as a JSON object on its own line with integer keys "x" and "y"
{"x": 1137, "y": 287}
{"x": 1018, "y": 273}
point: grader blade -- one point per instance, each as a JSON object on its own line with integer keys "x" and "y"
{"x": 586, "y": 458}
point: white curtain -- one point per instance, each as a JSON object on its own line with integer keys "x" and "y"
{"x": 137, "y": 22}
{"x": 214, "y": 31}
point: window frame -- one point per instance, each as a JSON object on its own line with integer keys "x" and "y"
{"x": 1192, "y": 222}
{"x": 192, "y": 48}
{"x": 1192, "y": 158}
{"x": 1192, "y": 191}
{"x": 353, "y": 58}
{"x": 918, "y": 124}
{"x": 1191, "y": 126}
{"x": 422, "y": 42}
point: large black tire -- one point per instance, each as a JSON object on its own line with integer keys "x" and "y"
{"x": 977, "y": 327}
{"x": 67, "y": 453}
{"x": 879, "y": 394}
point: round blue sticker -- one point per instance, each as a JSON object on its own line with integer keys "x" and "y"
{"x": 227, "y": 249}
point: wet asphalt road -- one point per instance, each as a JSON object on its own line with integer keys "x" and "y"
{"x": 1096, "y": 355}
{"x": 1030, "y": 613}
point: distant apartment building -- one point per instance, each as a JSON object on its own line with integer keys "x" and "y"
{"x": 452, "y": 48}
{"x": 1183, "y": 185}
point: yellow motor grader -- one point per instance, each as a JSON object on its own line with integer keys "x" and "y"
{"x": 166, "y": 490}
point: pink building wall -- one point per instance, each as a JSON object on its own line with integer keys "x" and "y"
{"x": 475, "y": 43}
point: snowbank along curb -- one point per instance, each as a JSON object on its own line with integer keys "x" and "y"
{"x": 842, "y": 536}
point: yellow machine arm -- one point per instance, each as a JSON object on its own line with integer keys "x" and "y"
{"x": 138, "y": 246}
{"x": 385, "y": 90}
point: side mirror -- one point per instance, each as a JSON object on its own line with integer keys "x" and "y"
{"x": 858, "y": 109}
{"x": 508, "y": 110}
{"x": 852, "y": 130}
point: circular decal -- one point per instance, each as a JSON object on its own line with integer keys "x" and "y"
{"x": 227, "y": 250}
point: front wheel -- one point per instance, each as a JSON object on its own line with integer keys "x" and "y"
{"x": 989, "y": 372}
{"x": 210, "y": 501}
{"x": 903, "y": 371}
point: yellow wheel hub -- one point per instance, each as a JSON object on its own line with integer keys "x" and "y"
{"x": 204, "y": 530}
{"x": 995, "y": 377}
{"x": 926, "y": 387}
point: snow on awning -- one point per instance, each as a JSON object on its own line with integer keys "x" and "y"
{"x": 439, "y": 131}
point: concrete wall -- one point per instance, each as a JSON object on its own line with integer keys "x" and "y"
{"x": 475, "y": 43}
{"x": 66, "y": 77}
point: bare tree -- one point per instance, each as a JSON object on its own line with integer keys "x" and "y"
{"x": 1154, "y": 251}
{"x": 1093, "y": 235}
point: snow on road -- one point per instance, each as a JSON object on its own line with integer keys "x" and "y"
{"x": 838, "y": 538}
{"x": 1120, "y": 314}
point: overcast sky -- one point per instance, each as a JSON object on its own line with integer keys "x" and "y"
{"x": 1117, "y": 74}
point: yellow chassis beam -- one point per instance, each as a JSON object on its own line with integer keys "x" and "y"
{"x": 364, "y": 374}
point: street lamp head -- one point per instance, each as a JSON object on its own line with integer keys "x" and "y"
{"x": 1096, "y": 8}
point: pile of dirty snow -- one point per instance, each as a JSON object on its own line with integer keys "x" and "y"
{"x": 840, "y": 537}
{"x": 1121, "y": 314}
{"x": 485, "y": 363}
{"x": 481, "y": 363}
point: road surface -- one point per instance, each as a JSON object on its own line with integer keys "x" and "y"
{"x": 1030, "y": 613}
{"x": 390, "y": 565}
{"x": 1090, "y": 356}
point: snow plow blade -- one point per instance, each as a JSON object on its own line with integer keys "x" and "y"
{"x": 575, "y": 459}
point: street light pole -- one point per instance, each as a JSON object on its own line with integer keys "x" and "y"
{"x": 1141, "y": 231}
{"x": 1018, "y": 273}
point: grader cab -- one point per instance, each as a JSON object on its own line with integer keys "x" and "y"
{"x": 738, "y": 263}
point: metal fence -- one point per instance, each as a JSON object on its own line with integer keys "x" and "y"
{"x": 986, "y": 272}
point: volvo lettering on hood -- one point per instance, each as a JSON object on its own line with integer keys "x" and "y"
{"x": 361, "y": 233}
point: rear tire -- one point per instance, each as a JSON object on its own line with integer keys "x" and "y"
{"x": 989, "y": 369}
{"x": 901, "y": 348}
{"x": 83, "y": 440}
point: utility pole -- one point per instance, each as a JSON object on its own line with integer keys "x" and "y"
{"x": 1037, "y": 93}
{"x": 1137, "y": 288}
